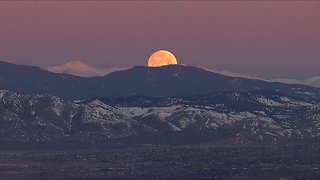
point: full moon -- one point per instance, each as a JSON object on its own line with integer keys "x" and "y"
{"x": 161, "y": 58}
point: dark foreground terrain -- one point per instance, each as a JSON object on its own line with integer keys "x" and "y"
{"x": 102, "y": 161}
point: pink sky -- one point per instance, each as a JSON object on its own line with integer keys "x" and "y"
{"x": 268, "y": 39}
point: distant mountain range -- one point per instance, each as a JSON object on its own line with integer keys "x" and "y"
{"x": 81, "y": 69}
{"x": 174, "y": 80}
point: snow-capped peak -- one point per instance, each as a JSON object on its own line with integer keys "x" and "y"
{"x": 79, "y": 68}
{"x": 234, "y": 74}
{"x": 312, "y": 81}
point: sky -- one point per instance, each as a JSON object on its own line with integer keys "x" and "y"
{"x": 268, "y": 39}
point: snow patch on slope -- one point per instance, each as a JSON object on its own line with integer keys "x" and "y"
{"x": 2, "y": 93}
{"x": 290, "y": 102}
{"x": 266, "y": 101}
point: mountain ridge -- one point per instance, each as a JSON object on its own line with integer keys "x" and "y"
{"x": 81, "y": 69}
{"x": 174, "y": 80}
{"x": 254, "y": 117}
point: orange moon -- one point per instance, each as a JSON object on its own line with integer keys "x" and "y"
{"x": 161, "y": 58}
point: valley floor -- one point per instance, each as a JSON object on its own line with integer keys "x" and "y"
{"x": 159, "y": 162}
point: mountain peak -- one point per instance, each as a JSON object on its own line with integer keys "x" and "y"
{"x": 76, "y": 62}
{"x": 79, "y": 68}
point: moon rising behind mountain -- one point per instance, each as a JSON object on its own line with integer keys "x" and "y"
{"x": 161, "y": 58}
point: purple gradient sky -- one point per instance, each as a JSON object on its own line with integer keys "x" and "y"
{"x": 269, "y": 39}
